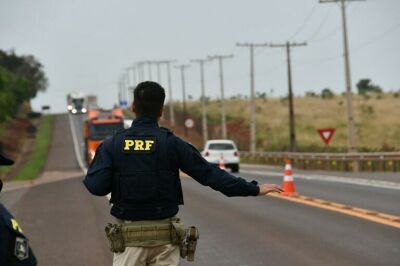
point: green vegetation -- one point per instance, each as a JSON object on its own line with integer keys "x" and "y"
{"x": 365, "y": 86}
{"x": 32, "y": 168}
{"x": 21, "y": 77}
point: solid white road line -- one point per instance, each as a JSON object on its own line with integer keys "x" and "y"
{"x": 333, "y": 179}
{"x": 77, "y": 149}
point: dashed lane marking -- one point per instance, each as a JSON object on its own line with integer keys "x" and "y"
{"x": 374, "y": 216}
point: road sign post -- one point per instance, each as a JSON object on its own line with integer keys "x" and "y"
{"x": 189, "y": 124}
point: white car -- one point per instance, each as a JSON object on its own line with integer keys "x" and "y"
{"x": 222, "y": 149}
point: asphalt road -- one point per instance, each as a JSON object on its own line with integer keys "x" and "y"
{"x": 65, "y": 223}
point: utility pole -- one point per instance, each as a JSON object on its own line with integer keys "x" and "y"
{"x": 121, "y": 84}
{"x": 134, "y": 82}
{"x": 171, "y": 103}
{"x": 253, "y": 135}
{"x": 158, "y": 64}
{"x": 119, "y": 92}
{"x": 220, "y": 59}
{"x": 127, "y": 86}
{"x": 149, "y": 63}
{"x": 203, "y": 98}
{"x": 292, "y": 129}
{"x": 352, "y": 136}
{"x": 182, "y": 68}
{"x": 134, "y": 77}
{"x": 140, "y": 70}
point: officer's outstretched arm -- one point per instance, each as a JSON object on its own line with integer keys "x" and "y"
{"x": 98, "y": 179}
{"x": 192, "y": 163}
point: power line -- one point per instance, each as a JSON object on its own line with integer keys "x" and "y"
{"x": 299, "y": 29}
{"x": 320, "y": 26}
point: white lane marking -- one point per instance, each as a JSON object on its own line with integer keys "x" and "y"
{"x": 78, "y": 151}
{"x": 334, "y": 179}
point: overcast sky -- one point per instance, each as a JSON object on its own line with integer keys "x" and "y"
{"x": 85, "y": 45}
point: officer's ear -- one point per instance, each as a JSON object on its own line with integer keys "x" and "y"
{"x": 133, "y": 108}
{"x": 161, "y": 111}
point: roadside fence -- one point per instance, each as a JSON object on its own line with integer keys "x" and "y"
{"x": 369, "y": 162}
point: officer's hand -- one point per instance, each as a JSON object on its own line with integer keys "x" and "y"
{"x": 268, "y": 188}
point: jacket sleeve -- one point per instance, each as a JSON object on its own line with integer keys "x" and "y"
{"x": 98, "y": 179}
{"x": 192, "y": 163}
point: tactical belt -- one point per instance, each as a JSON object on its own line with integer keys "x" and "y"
{"x": 152, "y": 234}
{"x": 147, "y": 233}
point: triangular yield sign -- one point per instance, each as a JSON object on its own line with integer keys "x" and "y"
{"x": 326, "y": 134}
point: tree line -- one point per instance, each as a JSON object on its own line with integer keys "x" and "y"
{"x": 21, "y": 78}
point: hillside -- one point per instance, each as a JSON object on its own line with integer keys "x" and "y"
{"x": 377, "y": 122}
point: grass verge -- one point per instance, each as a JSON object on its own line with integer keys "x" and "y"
{"x": 34, "y": 165}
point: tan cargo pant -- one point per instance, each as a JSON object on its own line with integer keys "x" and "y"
{"x": 166, "y": 255}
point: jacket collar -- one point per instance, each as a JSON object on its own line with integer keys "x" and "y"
{"x": 145, "y": 121}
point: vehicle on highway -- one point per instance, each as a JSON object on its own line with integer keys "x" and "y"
{"x": 99, "y": 125}
{"x": 76, "y": 103}
{"x": 222, "y": 149}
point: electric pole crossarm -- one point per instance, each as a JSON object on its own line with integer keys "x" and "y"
{"x": 335, "y": 1}
{"x": 246, "y": 44}
{"x": 292, "y": 44}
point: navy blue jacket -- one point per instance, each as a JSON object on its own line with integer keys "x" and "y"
{"x": 14, "y": 247}
{"x": 182, "y": 155}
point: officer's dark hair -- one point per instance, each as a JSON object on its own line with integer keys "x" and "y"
{"x": 148, "y": 99}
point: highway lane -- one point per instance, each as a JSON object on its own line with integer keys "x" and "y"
{"x": 373, "y": 198}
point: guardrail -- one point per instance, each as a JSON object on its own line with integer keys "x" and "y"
{"x": 366, "y": 161}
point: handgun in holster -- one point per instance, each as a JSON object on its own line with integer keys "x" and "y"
{"x": 189, "y": 243}
{"x": 115, "y": 238}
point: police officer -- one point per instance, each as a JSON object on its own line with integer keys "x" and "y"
{"x": 14, "y": 247}
{"x": 140, "y": 166}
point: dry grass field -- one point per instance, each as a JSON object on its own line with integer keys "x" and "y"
{"x": 377, "y": 121}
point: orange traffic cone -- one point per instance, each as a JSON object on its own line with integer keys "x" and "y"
{"x": 222, "y": 162}
{"x": 288, "y": 183}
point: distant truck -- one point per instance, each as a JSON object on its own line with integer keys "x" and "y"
{"x": 99, "y": 125}
{"x": 76, "y": 103}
